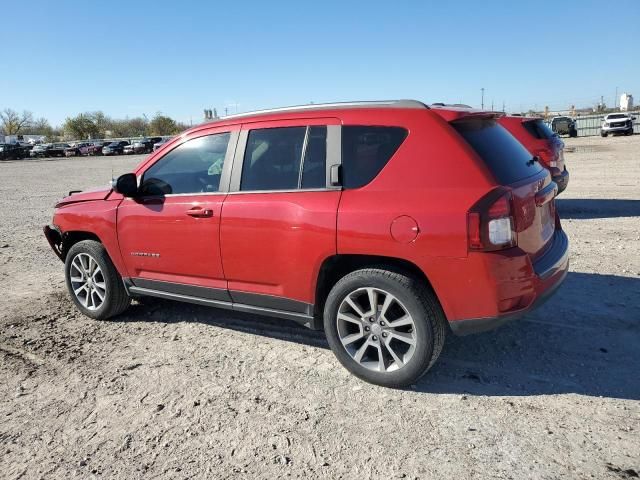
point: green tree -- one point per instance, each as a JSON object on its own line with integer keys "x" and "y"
{"x": 129, "y": 127}
{"x": 81, "y": 126}
{"x": 13, "y": 123}
{"x": 163, "y": 125}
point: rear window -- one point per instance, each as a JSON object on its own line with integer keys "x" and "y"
{"x": 366, "y": 150}
{"x": 505, "y": 157}
{"x": 538, "y": 129}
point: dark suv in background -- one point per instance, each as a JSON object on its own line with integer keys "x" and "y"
{"x": 564, "y": 126}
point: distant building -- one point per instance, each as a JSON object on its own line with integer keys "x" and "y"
{"x": 626, "y": 102}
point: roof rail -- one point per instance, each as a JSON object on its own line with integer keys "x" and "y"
{"x": 335, "y": 105}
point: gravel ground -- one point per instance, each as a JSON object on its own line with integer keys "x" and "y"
{"x": 178, "y": 391}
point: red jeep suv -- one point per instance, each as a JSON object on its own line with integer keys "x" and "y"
{"x": 541, "y": 142}
{"x": 385, "y": 223}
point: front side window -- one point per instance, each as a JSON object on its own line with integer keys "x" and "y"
{"x": 285, "y": 158}
{"x": 366, "y": 150}
{"x": 193, "y": 167}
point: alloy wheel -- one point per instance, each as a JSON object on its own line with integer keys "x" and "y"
{"x": 87, "y": 281}
{"x": 376, "y": 329}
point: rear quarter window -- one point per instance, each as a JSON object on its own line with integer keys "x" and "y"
{"x": 366, "y": 150}
{"x": 505, "y": 157}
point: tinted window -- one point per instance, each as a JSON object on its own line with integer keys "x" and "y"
{"x": 366, "y": 150}
{"x": 538, "y": 129}
{"x": 272, "y": 159}
{"x": 193, "y": 167}
{"x": 507, "y": 159}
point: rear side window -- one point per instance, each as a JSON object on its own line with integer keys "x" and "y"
{"x": 366, "y": 150}
{"x": 285, "y": 158}
{"x": 505, "y": 157}
{"x": 538, "y": 129}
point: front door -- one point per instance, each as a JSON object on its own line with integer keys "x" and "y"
{"x": 169, "y": 235}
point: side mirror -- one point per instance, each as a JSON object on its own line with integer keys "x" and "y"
{"x": 633, "y": 118}
{"x": 126, "y": 185}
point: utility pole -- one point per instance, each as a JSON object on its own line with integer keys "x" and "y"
{"x": 482, "y": 102}
{"x": 492, "y": 105}
{"x": 503, "y": 109}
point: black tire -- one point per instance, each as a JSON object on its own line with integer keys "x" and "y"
{"x": 573, "y": 133}
{"x": 418, "y": 300}
{"x": 603, "y": 134}
{"x": 116, "y": 299}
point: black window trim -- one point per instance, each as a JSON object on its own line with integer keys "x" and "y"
{"x": 225, "y": 177}
{"x": 333, "y": 157}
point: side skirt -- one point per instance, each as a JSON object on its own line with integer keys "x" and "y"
{"x": 305, "y": 319}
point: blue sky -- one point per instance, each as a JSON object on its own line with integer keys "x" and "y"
{"x": 129, "y": 58}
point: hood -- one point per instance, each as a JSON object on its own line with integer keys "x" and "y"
{"x": 616, "y": 120}
{"x": 86, "y": 196}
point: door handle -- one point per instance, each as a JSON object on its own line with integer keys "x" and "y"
{"x": 198, "y": 212}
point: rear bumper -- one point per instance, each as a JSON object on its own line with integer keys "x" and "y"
{"x": 562, "y": 180}
{"x": 549, "y": 271}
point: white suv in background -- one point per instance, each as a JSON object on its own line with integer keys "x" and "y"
{"x": 617, "y": 123}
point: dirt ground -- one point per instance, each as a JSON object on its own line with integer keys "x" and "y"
{"x": 170, "y": 390}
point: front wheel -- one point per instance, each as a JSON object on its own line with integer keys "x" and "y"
{"x": 603, "y": 134}
{"x": 93, "y": 282}
{"x": 386, "y": 328}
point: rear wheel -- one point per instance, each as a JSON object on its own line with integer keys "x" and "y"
{"x": 93, "y": 282}
{"x": 386, "y": 328}
{"x": 604, "y": 134}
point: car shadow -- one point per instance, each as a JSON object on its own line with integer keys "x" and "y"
{"x": 584, "y": 340}
{"x": 584, "y": 208}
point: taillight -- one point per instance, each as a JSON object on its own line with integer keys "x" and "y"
{"x": 548, "y": 156}
{"x": 490, "y": 222}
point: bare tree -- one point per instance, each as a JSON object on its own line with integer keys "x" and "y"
{"x": 12, "y": 122}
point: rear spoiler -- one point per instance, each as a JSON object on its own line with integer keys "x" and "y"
{"x": 457, "y": 114}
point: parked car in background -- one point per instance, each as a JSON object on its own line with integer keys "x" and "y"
{"x": 56, "y": 150}
{"x": 145, "y": 145}
{"x": 13, "y": 151}
{"x": 542, "y": 143}
{"x": 128, "y": 149}
{"x": 115, "y": 148}
{"x": 342, "y": 217}
{"x": 95, "y": 148}
{"x": 77, "y": 149}
{"x": 617, "y": 123}
{"x": 39, "y": 150}
{"x": 160, "y": 143}
{"x": 564, "y": 126}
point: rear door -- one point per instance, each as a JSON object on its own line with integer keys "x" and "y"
{"x": 279, "y": 219}
{"x": 513, "y": 166}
